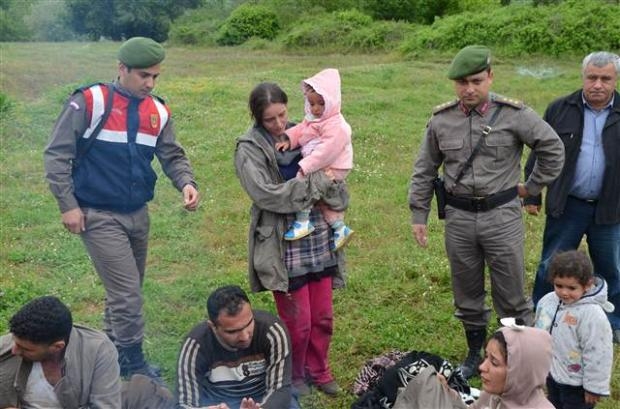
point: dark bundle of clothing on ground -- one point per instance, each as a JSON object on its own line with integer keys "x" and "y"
{"x": 378, "y": 383}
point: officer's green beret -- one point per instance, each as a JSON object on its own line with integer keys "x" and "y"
{"x": 141, "y": 52}
{"x": 470, "y": 60}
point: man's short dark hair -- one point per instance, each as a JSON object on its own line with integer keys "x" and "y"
{"x": 43, "y": 320}
{"x": 229, "y": 299}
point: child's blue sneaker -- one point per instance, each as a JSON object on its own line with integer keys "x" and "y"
{"x": 342, "y": 235}
{"x": 298, "y": 230}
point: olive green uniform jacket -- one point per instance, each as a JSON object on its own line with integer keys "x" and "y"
{"x": 451, "y": 136}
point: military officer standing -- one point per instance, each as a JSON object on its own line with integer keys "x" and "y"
{"x": 479, "y": 139}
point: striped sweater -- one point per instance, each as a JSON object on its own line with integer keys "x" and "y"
{"x": 210, "y": 374}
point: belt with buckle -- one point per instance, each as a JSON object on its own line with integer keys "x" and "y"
{"x": 481, "y": 204}
{"x": 588, "y": 201}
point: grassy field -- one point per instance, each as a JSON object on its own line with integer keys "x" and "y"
{"x": 398, "y": 295}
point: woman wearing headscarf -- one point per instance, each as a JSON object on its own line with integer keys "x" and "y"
{"x": 513, "y": 372}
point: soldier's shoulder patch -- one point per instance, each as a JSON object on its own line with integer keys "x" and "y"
{"x": 515, "y": 103}
{"x": 444, "y": 106}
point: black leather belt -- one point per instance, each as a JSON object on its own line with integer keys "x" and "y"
{"x": 589, "y": 201}
{"x": 481, "y": 204}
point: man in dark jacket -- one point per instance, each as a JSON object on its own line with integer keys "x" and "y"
{"x": 585, "y": 198}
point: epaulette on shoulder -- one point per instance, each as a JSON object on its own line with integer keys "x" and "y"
{"x": 444, "y": 106}
{"x": 515, "y": 103}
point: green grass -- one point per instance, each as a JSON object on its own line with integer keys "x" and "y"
{"x": 398, "y": 295}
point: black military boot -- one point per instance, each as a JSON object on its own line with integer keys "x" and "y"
{"x": 475, "y": 342}
{"x": 131, "y": 360}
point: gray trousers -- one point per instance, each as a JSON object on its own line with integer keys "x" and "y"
{"x": 142, "y": 392}
{"x": 494, "y": 239}
{"x": 117, "y": 244}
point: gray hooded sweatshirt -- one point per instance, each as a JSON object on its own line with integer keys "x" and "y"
{"x": 582, "y": 338}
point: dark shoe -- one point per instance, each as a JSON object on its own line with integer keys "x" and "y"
{"x": 301, "y": 388}
{"x": 132, "y": 362}
{"x": 616, "y": 336}
{"x": 152, "y": 371}
{"x": 475, "y": 341}
{"x": 329, "y": 388}
{"x": 469, "y": 367}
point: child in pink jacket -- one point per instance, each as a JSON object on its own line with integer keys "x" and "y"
{"x": 325, "y": 139}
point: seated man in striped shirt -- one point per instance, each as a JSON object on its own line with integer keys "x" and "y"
{"x": 238, "y": 359}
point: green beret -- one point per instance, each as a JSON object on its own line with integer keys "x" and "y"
{"x": 141, "y": 52}
{"x": 470, "y": 60}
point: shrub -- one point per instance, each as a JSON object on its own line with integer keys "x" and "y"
{"x": 572, "y": 27}
{"x": 200, "y": 26}
{"x": 415, "y": 11}
{"x": 197, "y": 27}
{"x": 246, "y": 21}
{"x": 327, "y": 31}
{"x": 379, "y": 36}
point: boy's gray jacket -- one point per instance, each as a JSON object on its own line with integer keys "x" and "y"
{"x": 272, "y": 199}
{"x": 90, "y": 379}
{"x": 582, "y": 338}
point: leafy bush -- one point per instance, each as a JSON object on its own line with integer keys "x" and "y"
{"x": 246, "y": 21}
{"x": 415, "y": 11}
{"x": 576, "y": 27}
{"x": 12, "y": 25}
{"x": 379, "y": 36}
{"x": 326, "y": 31}
{"x": 200, "y": 26}
{"x": 196, "y": 27}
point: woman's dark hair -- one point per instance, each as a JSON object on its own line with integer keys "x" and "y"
{"x": 501, "y": 340}
{"x": 43, "y": 320}
{"x": 263, "y": 95}
{"x": 573, "y": 263}
{"x": 229, "y": 299}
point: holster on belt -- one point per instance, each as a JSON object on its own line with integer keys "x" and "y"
{"x": 440, "y": 195}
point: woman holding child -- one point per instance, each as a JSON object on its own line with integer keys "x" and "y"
{"x": 300, "y": 273}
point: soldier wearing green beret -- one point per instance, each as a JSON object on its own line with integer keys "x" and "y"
{"x": 479, "y": 138}
{"x": 98, "y": 164}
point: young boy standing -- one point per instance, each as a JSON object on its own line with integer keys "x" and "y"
{"x": 574, "y": 315}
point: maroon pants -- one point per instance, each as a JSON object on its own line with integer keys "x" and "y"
{"x": 308, "y": 316}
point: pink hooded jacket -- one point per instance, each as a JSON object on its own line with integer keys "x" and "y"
{"x": 529, "y": 360}
{"x": 328, "y": 138}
